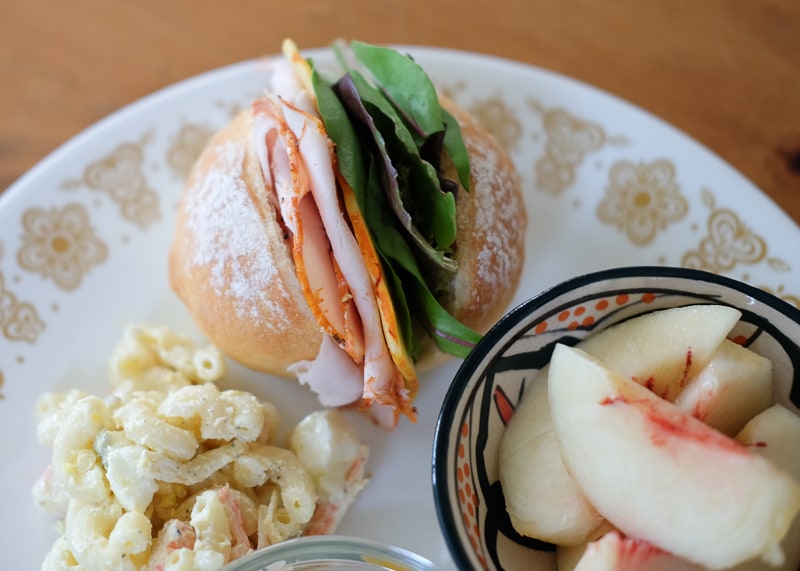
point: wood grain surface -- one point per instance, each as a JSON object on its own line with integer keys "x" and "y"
{"x": 725, "y": 72}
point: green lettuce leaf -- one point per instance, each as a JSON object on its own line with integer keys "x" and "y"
{"x": 449, "y": 334}
{"x": 380, "y": 145}
{"x": 349, "y": 95}
{"x": 349, "y": 153}
{"x": 406, "y": 85}
{"x": 456, "y": 148}
{"x": 412, "y": 93}
{"x": 433, "y": 209}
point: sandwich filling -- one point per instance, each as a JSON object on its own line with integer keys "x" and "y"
{"x": 353, "y": 169}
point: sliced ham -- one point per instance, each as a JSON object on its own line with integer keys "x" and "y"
{"x": 317, "y": 155}
{"x": 391, "y": 332}
{"x": 333, "y": 376}
{"x": 286, "y": 84}
{"x": 362, "y": 357}
{"x": 318, "y": 275}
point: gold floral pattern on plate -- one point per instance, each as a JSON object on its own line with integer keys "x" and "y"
{"x": 186, "y": 146}
{"x": 497, "y": 117}
{"x": 642, "y": 199}
{"x": 19, "y": 320}
{"x": 493, "y": 113}
{"x": 120, "y": 175}
{"x": 728, "y": 242}
{"x": 60, "y": 244}
{"x": 569, "y": 139}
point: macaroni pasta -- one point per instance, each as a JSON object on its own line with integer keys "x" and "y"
{"x": 169, "y": 472}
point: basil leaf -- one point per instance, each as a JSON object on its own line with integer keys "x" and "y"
{"x": 435, "y": 209}
{"x": 436, "y": 214}
{"x": 348, "y": 94}
{"x": 406, "y": 84}
{"x": 450, "y": 335}
{"x": 337, "y": 123}
{"x": 456, "y": 148}
{"x": 373, "y": 97}
{"x": 375, "y": 137}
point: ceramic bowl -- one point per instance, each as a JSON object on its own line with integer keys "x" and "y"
{"x": 490, "y": 382}
{"x": 335, "y": 552}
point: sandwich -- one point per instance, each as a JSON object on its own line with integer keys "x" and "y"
{"x": 349, "y": 230}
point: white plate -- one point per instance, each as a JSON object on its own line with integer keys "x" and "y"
{"x": 606, "y": 185}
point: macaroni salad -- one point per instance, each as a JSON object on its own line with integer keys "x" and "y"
{"x": 169, "y": 472}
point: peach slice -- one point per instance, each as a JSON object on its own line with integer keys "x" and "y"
{"x": 613, "y": 552}
{"x": 607, "y": 549}
{"x": 659, "y": 474}
{"x": 542, "y": 500}
{"x": 659, "y": 349}
{"x": 567, "y": 556}
{"x": 732, "y": 388}
{"x": 775, "y": 434}
{"x": 664, "y": 349}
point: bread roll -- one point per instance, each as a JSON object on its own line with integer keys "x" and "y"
{"x": 490, "y": 245}
{"x": 230, "y": 261}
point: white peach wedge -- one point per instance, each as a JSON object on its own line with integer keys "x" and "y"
{"x": 664, "y": 349}
{"x": 732, "y": 388}
{"x": 660, "y": 475}
{"x": 542, "y": 500}
{"x": 775, "y": 434}
{"x": 613, "y": 552}
{"x": 567, "y": 556}
{"x": 661, "y": 350}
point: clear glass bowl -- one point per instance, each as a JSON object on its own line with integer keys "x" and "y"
{"x": 331, "y": 552}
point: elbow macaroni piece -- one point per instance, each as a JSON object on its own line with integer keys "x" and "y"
{"x": 210, "y": 521}
{"x": 141, "y": 424}
{"x": 89, "y": 529}
{"x": 129, "y": 486}
{"x": 168, "y": 472}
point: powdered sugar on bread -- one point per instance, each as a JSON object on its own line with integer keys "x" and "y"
{"x": 235, "y": 254}
{"x": 498, "y": 220}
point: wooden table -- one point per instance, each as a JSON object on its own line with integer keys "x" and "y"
{"x": 725, "y": 72}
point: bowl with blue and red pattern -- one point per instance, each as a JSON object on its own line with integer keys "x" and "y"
{"x": 631, "y": 418}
